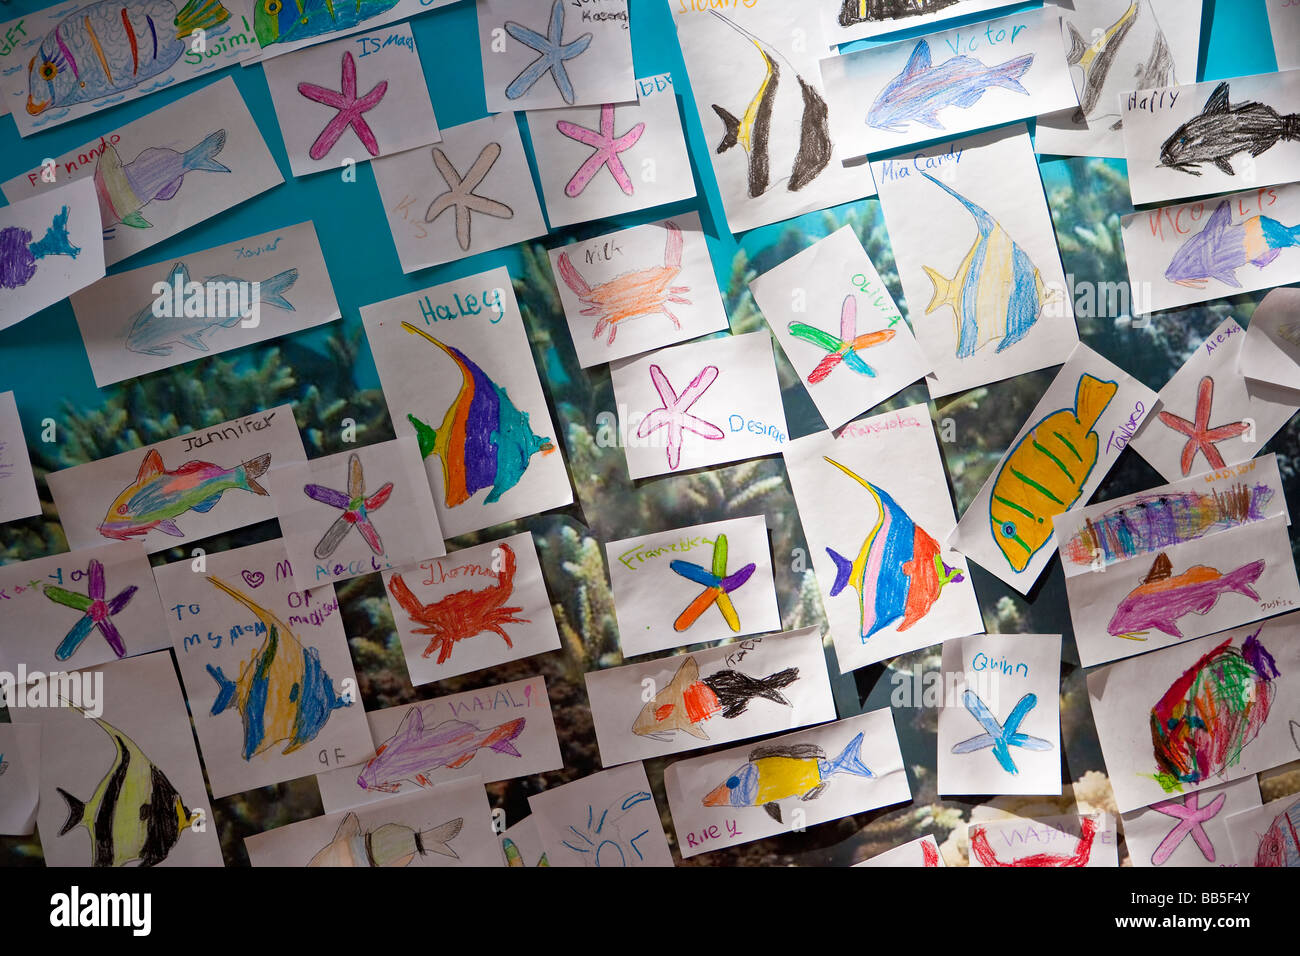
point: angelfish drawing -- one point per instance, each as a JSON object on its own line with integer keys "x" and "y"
{"x": 1095, "y": 59}
{"x": 19, "y": 253}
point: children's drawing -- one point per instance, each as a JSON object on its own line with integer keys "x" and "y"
{"x": 158, "y": 497}
{"x": 996, "y": 292}
{"x": 898, "y": 572}
{"x": 276, "y": 21}
{"x": 552, "y": 53}
{"x": 689, "y": 701}
{"x": 152, "y": 334}
{"x": 351, "y": 109}
{"x": 484, "y": 440}
{"x": 1163, "y": 597}
{"x": 645, "y": 291}
{"x": 356, "y": 506}
{"x": 462, "y": 614}
{"x": 95, "y": 611}
{"x": 918, "y": 93}
{"x": 1201, "y": 438}
{"x": 460, "y": 192}
{"x": 607, "y": 148}
{"x": 1095, "y": 59}
{"x": 282, "y": 693}
{"x": 998, "y": 736}
{"x": 673, "y": 414}
{"x": 1221, "y": 131}
{"x": 135, "y": 812}
{"x": 875, "y": 11}
{"x": 752, "y": 132}
{"x": 717, "y": 584}
{"x": 1280, "y": 845}
{"x": 156, "y": 173}
{"x": 777, "y": 772}
{"x": 413, "y": 752}
{"x": 845, "y": 348}
{"x": 1222, "y": 247}
{"x": 392, "y": 844}
{"x": 19, "y": 253}
{"x": 603, "y": 842}
{"x": 111, "y": 47}
{"x": 983, "y": 849}
{"x": 1191, "y": 817}
{"x": 1043, "y": 475}
{"x": 1205, "y": 719}
{"x": 514, "y": 857}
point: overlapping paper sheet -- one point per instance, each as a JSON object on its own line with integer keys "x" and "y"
{"x": 1053, "y": 841}
{"x": 1271, "y": 352}
{"x": 605, "y": 819}
{"x": 1266, "y": 835}
{"x": 1191, "y": 830}
{"x": 923, "y": 852}
{"x": 285, "y": 28}
{"x": 18, "y": 497}
{"x": 20, "y": 770}
{"x": 848, "y": 20}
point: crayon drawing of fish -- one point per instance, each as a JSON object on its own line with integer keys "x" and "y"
{"x": 1222, "y": 247}
{"x": 921, "y": 90}
{"x": 1094, "y": 60}
{"x": 689, "y": 701}
{"x": 413, "y": 751}
{"x": 156, "y": 173}
{"x": 19, "y": 253}
{"x": 157, "y": 497}
{"x": 898, "y": 572}
{"x": 1044, "y": 473}
{"x": 1280, "y": 844}
{"x": 285, "y": 21}
{"x": 391, "y": 845}
{"x": 484, "y": 441}
{"x": 1163, "y": 597}
{"x": 758, "y": 131}
{"x": 853, "y": 12}
{"x": 282, "y": 693}
{"x": 1221, "y": 131}
{"x": 111, "y": 47}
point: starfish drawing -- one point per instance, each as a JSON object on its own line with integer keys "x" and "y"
{"x": 998, "y": 736}
{"x": 718, "y": 585}
{"x": 356, "y": 506}
{"x": 673, "y": 416}
{"x": 552, "y": 52}
{"x": 607, "y": 147}
{"x": 845, "y": 348}
{"x": 350, "y": 109}
{"x": 96, "y": 612}
{"x": 461, "y": 192}
{"x": 1192, "y": 818}
{"x": 1200, "y": 436}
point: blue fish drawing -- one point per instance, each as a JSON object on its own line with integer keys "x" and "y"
{"x": 918, "y": 93}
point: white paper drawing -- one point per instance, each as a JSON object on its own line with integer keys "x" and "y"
{"x": 1190, "y": 830}
{"x": 605, "y": 819}
{"x": 18, "y": 497}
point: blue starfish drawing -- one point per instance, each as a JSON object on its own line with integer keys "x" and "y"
{"x": 552, "y": 52}
{"x": 1001, "y": 738}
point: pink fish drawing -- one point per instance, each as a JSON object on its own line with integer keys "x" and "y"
{"x": 1163, "y": 597}
{"x": 413, "y": 752}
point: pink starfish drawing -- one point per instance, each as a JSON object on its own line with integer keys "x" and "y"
{"x": 349, "y": 109}
{"x": 1200, "y": 436}
{"x": 673, "y": 413}
{"x": 1192, "y": 818}
{"x": 607, "y": 147}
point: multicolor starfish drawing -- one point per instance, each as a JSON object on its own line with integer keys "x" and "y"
{"x": 350, "y": 109}
{"x": 607, "y": 147}
{"x": 356, "y": 507}
{"x": 718, "y": 585}
{"x": 552, "y": 53}
{"x": 673, "y": 413}
{"x": 461, "y": 193}
{"x": 998, "y": 736}
{"x": 1200, "y": 436}
{"x": 1192, "y": 818}
{"x": 845, "y": 348}
{"x": 96, "y": 612}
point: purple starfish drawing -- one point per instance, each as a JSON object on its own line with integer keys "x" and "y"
{"x": 607, "y": 147}
{"x": 673, "y": 413}
{"x": 1192, "y": 818}
{"x": 349, "y": 107}
{"x": 96, "y": 612}
{"x": 356, "y": 507}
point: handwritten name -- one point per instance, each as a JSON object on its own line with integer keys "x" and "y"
{"x": 633, "y": 558}
{"x": 463, "y": 308}
{"x": 1120, "y": 437}
{"x": 1003, "y": 665}
{"x": 228, "y": 432}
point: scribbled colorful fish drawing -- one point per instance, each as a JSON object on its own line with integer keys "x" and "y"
{"x": 19, "y": 253}
{"x": 1280, "y": 844}
{"x": 484, "y": 440}
{"x": 1043, "y": 475}
{"x": 922, "y": 89}
{"x": 111, "y": 47}
{"x": 898, "y": 572}
{"x": 414, "y": 752}
{"x": 462, "y": 614}
{"x": 996, "y": 292}
{"x": 981, "y": 848}
{"x": 1163, "y": 597}
{"x": 1221, "y": 131}
{"x": 1095, "y": 59}
{"x": 134, "y": 814}
{"x": 875, "y": 11}
{"x": 96, "y": 611}
{"x": 845, "y": 348}
{"x": 1208, "y": 716}
{"x": 157, "y": 497}
{"x": 777, "y": 772}
{"x": 718, "y": 586}
{"x": 393, "y": 844}
{"x": 357, "y": 507}
{"x": 156, "y": 173}
{"x": 1222, "y": 247}
{"x": 689, "y": 701}
{"x": 752, "y": 132}
{"x": 282, "y": 693}
{"x": 646, "y": 291}
{"x": 285, "y": 21}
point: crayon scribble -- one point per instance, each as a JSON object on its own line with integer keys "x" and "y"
{"x": 983, "y": 850}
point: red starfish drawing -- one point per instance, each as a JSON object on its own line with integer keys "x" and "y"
{"x": 1200, "y": 436}
{"x": 349, "y": 109}
{"x": 607, "y": 146}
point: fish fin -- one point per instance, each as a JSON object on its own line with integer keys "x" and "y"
{"x": 731, "y": 134}
{"x": 1077, "y": 47}
{"x": 1218, "y": 101}
{"x": 773, "y": 811}
{"x": 505, "y": 747}
{"x": 225, "y": 690}
{"x": 56, "y": 241}
{"x": 151, "y": 466}
{"x": 439, "y": 838}
{"x": 695, "y": 730}
{"x": 1161, "y": 570}
{"x": 412, "y": 725}
{"x": 171, "y": 189}
{"x": 168, "y": 526}
{"x": 1091, "y": 399}
{"x": 1227, "y": 277}
{"x": 461, "y": 761}
{"x": 920, "y": 60}
{"x": 1224, "y": 166}
{"x": 76, "y": 811}
{"x": 350, "y": 827}
{"x": 1220, "y": 219}
{"x": 200, "y": 156}
{"x": 207, "y": 504}
{"x": 200, "y": 15}
{"x": 850, "y": 760}
{"x": 815, "y": 792}
{"x": 1242, "y": 579}
{"x": 1008, "y": 74}
{"x": 195, "y": 341}
{"x": 255, "y": 468}
{"x": 843, "y": 571}
{"x": 942, "y": 289}
{"x": 424, "y": 435}
{"x": 932, "y": 120}
{"x": 273, "y": 289}
{"x": 136, "y": 221}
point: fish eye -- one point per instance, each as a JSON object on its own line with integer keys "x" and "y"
{"x": 122, "y": 509}
{"x": 733, "y": 783}
{"x": 1009, "y": 530}
{"x": 272, "y": 7}
{"x": 48, "y": 71}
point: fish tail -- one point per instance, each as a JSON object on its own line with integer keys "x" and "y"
{"x": 1007, "y": 75}
{"x": 1290, "y": 126}
{"x": 850, "y": 760}
{"x": 425, "y": 435}
{"x": 76, "y": 811}
{"x": 56, "y": 241}
{"x": 256, "y": 468}
{"x": 438, "y": 840}
{"x": 942, "y": 289}
{"x": 200, "y": 15}
{"x": 1077, "y": 47}
{"x": 225, "y": 690}
{"x": 200, "y": 156}
{"x": 843, "y": 571}
{"x": 731, "y": 134}
{"x": 770, "y": 687}
{"x": 1091, "y": 399}
{"x": 273, "y": 289}
{"x": 1246, "y": 575}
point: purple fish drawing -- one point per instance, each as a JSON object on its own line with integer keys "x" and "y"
{"x": 19, "y": 253}
{"x": 413, "y": 752}
{"x": 156, "y": 173}
{"x": 918, "y": 93}
{"x": 1163, "y": 597}
{"x": 1223, "y": 247}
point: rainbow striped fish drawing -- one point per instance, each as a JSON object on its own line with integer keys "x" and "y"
{"x": 484, "y": 440}
{"x": 111, "y": 47}
{"x": 156, "y": 173}
{"x": 284, "y": 21}
{"x": 918, "y": 93}
{"x": 1222, "y": 247}
{"x": 898, "y": 571}
{"x": 413, "y": 752}
{"x": 1163, "y": 597}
